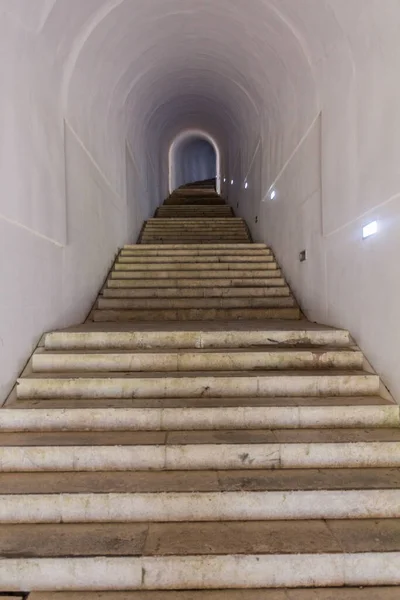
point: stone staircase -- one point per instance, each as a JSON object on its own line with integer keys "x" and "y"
{"x": 174, "y": 275}
{"x": 145, "y": 457}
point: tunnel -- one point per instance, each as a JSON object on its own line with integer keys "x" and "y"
{"x": 294, "y": 105}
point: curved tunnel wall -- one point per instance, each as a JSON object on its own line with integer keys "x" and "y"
{"x": 301, "y": 98}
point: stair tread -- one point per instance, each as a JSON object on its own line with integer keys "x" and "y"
{"x": 202, "y": 402}
{"x": 190, "y": 438}
{"x": 248, "y": 351}
{"x": 199, "y": 481}
{"x": 245, "y": 374}
{"x": 196, "y": 539}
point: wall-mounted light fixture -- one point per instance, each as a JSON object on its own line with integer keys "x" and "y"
{"x": 273, "y": 195}
{"x": 246, "y": 185}
{"x": 370, "y": 229}
{"x": 231, "y": 181}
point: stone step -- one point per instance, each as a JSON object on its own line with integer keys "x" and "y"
{"x": 291, "y": 334}
{"x": 198, "y": 384}
{"x": 155, "y": 239}
{"x": 190, "y": 417}
{"x": 338, "y": 593}
{"x": 193, "y": 303}
{"x": 192, "y": 211}
{"x": 210, "y": 260}
{"x": 123, "y": 280}
{"x": 196, "y": 266}
{"x": 183, "y": 225}
{"x": 206, "y": 221}
{"x": 204, "y": 402}
{"x": 207, "y": 293}
{"x": 166, "y": 556}
{"x": 144, "y": 451}
{"x": 151, "y": 238}
{"x": 195, "y": 227}
{"x": 194, "y": 314}
{"x": 193, "y": 273}
{"x": 162, "y": 247}
{"x": 164, "y": 482}
{"x": 199, "y": 360}
{"x": 194, "y": 214}
{"x": 199, "y": 506}
{"x": 143, "y": 252}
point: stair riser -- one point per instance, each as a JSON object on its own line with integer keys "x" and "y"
{"x": 201, "y": 572}
{"x": 197, "y": 362}
{"x": 199, "y": 457}
{"x": 190, "y": 303}
{"x": 207, "y": 293}
{"x": 170, "y": 507}
{"x": 197, "y": 274}
{"x": 125, "y": 281}
{"x": 195, "y": 314}
{"x": 200, "y": 387}
{"x": 199, "y": 419}
{"x": 109, "y": 340}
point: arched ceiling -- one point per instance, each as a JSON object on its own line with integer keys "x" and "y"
{"x": 147, "y": 69}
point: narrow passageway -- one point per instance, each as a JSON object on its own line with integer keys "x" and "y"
{"x": 197, "y": 433}
{"x": 199, "y": 332}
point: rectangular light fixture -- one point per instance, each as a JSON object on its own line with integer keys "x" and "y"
{"x": 370, "y": 229}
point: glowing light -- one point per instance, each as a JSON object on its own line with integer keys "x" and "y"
{"x": 370, "y": 229}
{"x": 232, "y": 182}
{"x": 246, "y": 185}
{"x": 273, "y": 195}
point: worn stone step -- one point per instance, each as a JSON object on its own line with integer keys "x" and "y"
{"x": 162, "y": 247}
{"x": 190, "y": 417}
{"x": 195, "y": 314}
{"x": 210, "y": 260}
{"x": 200, "y": 360}
{"x": 204, "y": 402}
{"x": 169, "y": 237}
{"x": 198, "y": 384}
{"x": 207, "y": 293}
{"x": 265, "y": 273}
{"x": 164, "y": 482}
{"x": 197, "y": 266}
{"x": 115, "y": 454}
{"x": 193, "y": 336}
{"x": 211, "y": 222}
{"x": 122, "y": 279}
{"x": 142, "y": 251}
{"x": 189, "y": 556}
{"x": 193, "y": 214}
{"x": 199, "y": 506}
{"x": 338, "y": 593}
{"x": 194, "y": 303}
{"x": 175, "y": 238}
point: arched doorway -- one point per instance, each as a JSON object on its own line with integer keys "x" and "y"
{"x": 193, "y": 156}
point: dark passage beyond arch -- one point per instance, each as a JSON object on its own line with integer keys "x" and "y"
{"x": 195, "y": 160}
